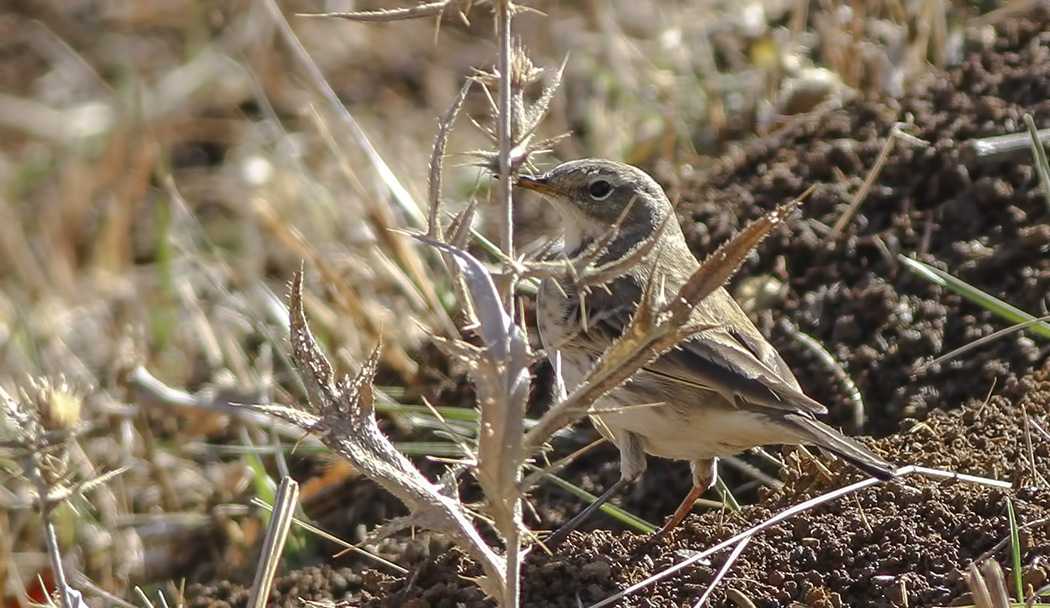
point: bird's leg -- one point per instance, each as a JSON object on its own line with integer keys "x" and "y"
{"x": 561, "y": 533}
{"x": 632, "y": 465}
{"x": 705, "y": 474}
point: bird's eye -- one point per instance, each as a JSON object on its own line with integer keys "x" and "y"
{"x": 600, "y": 189}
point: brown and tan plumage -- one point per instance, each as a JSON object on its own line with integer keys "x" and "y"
{"x": 718, "y": 393}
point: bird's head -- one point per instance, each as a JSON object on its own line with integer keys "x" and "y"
{"x": 593, "y": 194}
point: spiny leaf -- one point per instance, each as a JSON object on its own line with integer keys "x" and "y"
{"x": 724, "y": 262}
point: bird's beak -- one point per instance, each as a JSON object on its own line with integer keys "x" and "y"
{"x": 537, "y": 184}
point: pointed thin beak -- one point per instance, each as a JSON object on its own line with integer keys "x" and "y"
{"x": 537, "y": 184}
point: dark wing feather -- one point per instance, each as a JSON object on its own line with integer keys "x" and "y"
{"x": 740, "y": 364}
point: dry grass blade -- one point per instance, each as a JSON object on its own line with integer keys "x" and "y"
{"x": 942, "y": 474}
{"x": 273, "y": 546}
{"x": 400, "y": 194}
{"x": 148, "y": 390}
{"x": 988, "y": 585}
{"x": 1000, "y": 148}
{"x": 347, "y": 547}
{"x": 982, "y": 340}
{"x": 897, "y": 132}
{"x": 733, "y": 556}
{"x": 341, "y": 414}
{"x": 978, "y": 588}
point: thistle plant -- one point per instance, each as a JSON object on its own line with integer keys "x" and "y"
{"x": 39, "y": 426}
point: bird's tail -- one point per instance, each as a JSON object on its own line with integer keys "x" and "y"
{"x": 822, "y": 435}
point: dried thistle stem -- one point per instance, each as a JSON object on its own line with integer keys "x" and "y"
{"x": 54, "y": 551}
{"x": 504, "y": 15}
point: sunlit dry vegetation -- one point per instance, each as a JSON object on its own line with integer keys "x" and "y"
{"x": 167, "y": 167}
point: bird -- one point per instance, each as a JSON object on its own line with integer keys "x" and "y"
{"x": 719, "y": 392}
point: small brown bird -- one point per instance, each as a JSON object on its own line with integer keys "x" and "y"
{"x": 718, "y": 393}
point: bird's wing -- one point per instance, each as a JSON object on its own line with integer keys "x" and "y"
{"x": 716, "y": 360}
{"x": 736, "y": 362}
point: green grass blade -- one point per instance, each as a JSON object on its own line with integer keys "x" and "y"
{"x": 1042, "y": 166}
{"x": 615, "y": 512}
{"x": 438, "y": 449}
{"x": 727, "y": 496}
{"x": 971, "y": 293}
{"x": 1015, "y": 549}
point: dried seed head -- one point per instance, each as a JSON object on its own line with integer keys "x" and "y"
{"x": 522, "y": 72}
{"x": 57, "y": 403}
{"x": 40, "y": 424}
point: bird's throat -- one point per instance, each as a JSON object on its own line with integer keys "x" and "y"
{"x": 574, "y": 239}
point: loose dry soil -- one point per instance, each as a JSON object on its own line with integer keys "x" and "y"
{"x": 904, "y": 543}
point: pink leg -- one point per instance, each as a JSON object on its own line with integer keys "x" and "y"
{"x": 682, "y": 511}
{"x": 705, "y": 474}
